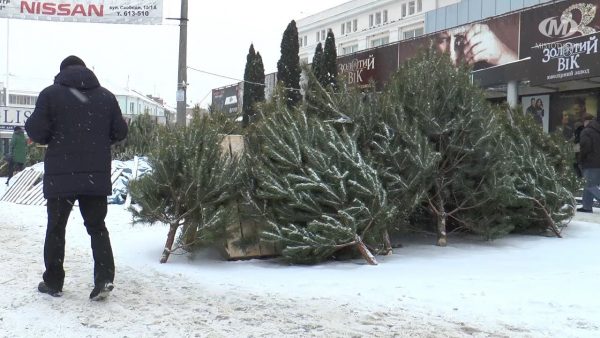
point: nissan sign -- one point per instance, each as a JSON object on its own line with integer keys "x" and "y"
{"x": 100, "y": 11}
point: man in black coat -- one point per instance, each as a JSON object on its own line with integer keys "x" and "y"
{"x": 589, "y": 157}
{"x": 79, "y": 120}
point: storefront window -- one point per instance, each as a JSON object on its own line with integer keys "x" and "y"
{"x": 567, "y": 110}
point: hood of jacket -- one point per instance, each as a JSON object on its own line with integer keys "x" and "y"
{"x": 78, "y": 77}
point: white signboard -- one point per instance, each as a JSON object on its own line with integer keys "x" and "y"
{"x": 143, "y": 12}
{"x": 11, "y": 117}
{"x": 180, "y": 95}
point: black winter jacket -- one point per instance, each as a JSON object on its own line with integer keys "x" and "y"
{"x": 589, "y": 142}
{"x": 78, "y": 120}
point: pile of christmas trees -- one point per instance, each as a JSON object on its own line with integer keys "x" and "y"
{"x": 339, "y": 173}
{"x": 429, "y": 154}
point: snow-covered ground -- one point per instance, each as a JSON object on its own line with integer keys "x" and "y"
{"x": 520, "y": 286}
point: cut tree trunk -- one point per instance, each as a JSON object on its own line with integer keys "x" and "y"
{"x": 189, "y": 238}
{"x": 364, "y": 251}
{"x": 169, "y": 243}
{"x": 442, "y": 239}
{"x": 549, "y": 221}
{"x": 387, "y": 244}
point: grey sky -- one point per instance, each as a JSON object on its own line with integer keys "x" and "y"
{"x": 219, "y": 35}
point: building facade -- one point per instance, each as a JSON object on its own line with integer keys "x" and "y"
{"x": 462, "y": 12}
{"x": 363, "y": 24}
{"x": 542, "y": 54}
{"x": 133, "y": 103}
{"x": 368, "y": 24}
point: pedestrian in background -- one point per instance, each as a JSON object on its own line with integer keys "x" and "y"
{"x": 17, "y": 153}
{"x": 79, "y": 120}
{"x": 589, "y": 159}
{"x": 577, "y": 138}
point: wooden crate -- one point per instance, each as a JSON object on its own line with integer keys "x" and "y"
{"x": 243, "y": 235}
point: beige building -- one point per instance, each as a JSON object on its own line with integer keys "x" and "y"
{"x": 363, "y": 24}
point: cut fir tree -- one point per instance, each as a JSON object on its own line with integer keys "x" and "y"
{"x": 191, "y": 184}
{"x": 316, "y": 190}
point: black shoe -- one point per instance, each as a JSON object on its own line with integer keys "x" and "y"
{"x": 43, "y": 288}
{"x": 101, "y": 291}
{"x": 585, "y": 210}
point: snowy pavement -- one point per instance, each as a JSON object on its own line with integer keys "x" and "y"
{"x": 520, "y": 286}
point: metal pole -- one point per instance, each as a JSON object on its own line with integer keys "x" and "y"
{"x": 7, "y": 58}
{"x": 182, "y": 69}
{"x": 512, "y": 94}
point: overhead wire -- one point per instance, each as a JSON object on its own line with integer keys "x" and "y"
{"x": 234, "y": 79}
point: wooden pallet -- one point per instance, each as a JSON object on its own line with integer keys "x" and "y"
{"x": 29, "y": 185}
{"x": 26, "y": 183}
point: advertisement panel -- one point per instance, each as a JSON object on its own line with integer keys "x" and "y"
{"x": 566, "y": 60}
{"x": 375, "y": 65}
{"x": 11, "y": 117}
{"x": 227, "y": 99}
{"x": 560, "y": 21}
{"x": 144, "y": 12}
{"x": 538, "y": 107}
{"x": 481, "y": 45}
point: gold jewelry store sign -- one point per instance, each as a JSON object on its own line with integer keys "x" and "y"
{"x": 566, "y": 60}
{"x": 141, "y": 12}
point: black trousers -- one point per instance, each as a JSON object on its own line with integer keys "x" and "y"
{"x": 93, "y": 210}
{"x": 12, "y": 168}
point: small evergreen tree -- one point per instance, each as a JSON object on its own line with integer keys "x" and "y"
{"x": 254, "y": 89}
{"x": 191, "y": 183}
{"x": 316, "y": 190}
{"x": 317, "y": 64}
{"x": 35, "y": 154}
{"x": 259, "y": 78}
{"x": 288, "y": 66}
{"x": 461, "y": 126}
{"x": 249, "y": 87}
{"x": 329, "y": 62}
{"x": 400, "y": 153}
{"x": 542, "y": 178}
{"x": 141, "y": 138}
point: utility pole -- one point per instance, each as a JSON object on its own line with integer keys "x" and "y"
{"x": 7, "y": 62}
{"x": 182, "y": 68}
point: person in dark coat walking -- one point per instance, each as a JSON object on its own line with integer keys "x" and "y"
{"x": 79, "y": 120}
{"x": 589, "y": 157}
{"x": 17, "y": 152}
{"x": 577, "y": 137}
